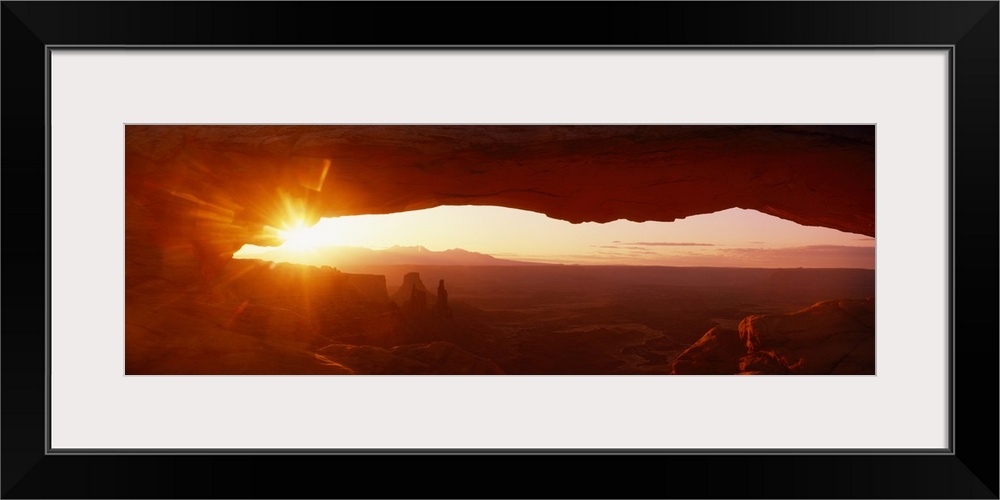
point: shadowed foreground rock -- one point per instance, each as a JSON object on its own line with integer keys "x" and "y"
{"x": 717, "y": 352}
{"x": 436, "y": 358}
{"x": 834, "y": 337}
{"x": 260, "y": 318}
{"x": 196, "y": 194}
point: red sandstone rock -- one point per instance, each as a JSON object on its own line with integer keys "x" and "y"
{"x": 435, "y": 358}
{"x": 836, "y": 336}
{"x": 832, "y": 337}
{"x": 716, "y": 353}
{"x": 195, "y": 194}
{"x": 411, "y": 281}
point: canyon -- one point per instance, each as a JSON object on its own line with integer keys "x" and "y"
{"x": 194, "y": 194}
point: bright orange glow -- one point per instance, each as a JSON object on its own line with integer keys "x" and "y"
{"x": 730, "y": 238}
{"x": 299, "y": 237}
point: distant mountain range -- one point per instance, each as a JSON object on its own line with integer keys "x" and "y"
{"x": 397, "y": 255}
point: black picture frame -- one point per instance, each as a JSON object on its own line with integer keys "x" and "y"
{"x": 969, "y": 29}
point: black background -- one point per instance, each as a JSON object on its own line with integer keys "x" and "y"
{"x": 971, "y": 472}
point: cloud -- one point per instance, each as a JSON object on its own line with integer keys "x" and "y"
{"x": 804, "y": 256}
{"x": 669, "y": 244}
{"x": 811, "y": 256}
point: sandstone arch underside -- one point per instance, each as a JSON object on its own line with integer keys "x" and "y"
{"x": 196, "y": 194}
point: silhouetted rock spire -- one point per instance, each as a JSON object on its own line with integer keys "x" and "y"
{"x": 442, "y": 301}
{"x": 418, "y": 301}
{"x": 413, "y": 297}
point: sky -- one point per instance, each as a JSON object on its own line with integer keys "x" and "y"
{"x": 730, "y": 238}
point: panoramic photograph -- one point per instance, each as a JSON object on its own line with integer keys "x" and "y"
{"x": 500, "y": 250}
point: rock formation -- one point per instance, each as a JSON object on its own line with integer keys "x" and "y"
{"x": 441, "y": 307}
{"x": 835, "y": 337}
{"x": 298, "y": 285}
{"x": 718, "y": 352}
{"x": 412, "y": 287}
{"x": 253, "y": 317}
{"x": 414, "y": 297}
{"x": 832, "y": 337}
{"x": 435, "y": 358}
{"x": 196, "y": 194}
{"x": 417, "y": 304}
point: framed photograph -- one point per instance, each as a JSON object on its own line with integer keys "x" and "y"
{"x": 567, "y": 249}
{"x": 302, "y": 245}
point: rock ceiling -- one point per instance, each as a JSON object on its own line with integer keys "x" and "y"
{"x": 196, "y": 194}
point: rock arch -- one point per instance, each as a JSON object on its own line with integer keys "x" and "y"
{"x": 195, "y": 194}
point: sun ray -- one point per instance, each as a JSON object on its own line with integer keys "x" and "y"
{"x": 297, "y": 237}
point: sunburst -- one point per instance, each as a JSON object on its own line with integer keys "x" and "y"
{"x": 297, "y": 236}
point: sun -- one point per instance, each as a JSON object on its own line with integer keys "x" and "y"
{"x": 298, "y": 237}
